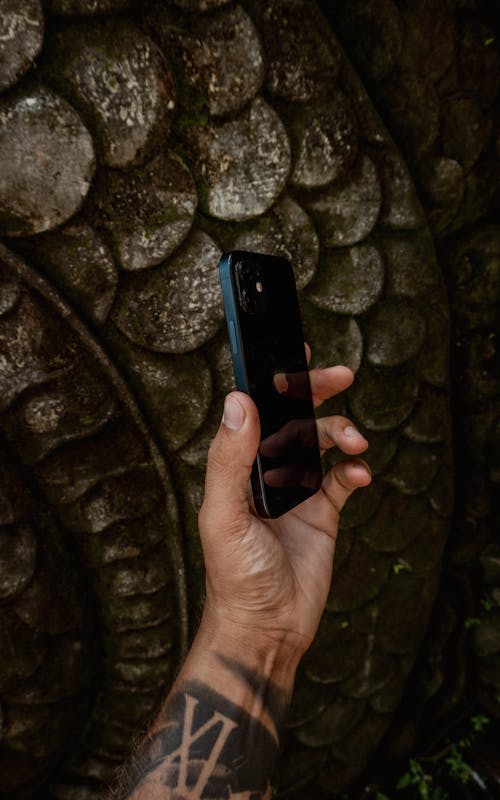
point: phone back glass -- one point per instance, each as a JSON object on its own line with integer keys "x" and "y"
{"x": 267, "y": 347}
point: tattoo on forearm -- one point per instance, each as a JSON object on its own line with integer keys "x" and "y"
{"x": 209, "y": 748}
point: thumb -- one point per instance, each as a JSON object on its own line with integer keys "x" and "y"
{"x": 230, "y": 459}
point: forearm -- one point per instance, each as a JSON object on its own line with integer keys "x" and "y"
{"x": 221, "y": 724}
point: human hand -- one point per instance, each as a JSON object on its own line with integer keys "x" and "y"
{"x": 268, "y": 580}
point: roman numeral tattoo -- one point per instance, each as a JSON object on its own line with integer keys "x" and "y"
{"x": 208, "y": 747}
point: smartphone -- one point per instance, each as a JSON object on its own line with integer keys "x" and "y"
{"x": 269, "y": 361}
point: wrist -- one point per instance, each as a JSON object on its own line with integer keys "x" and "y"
{"x": 272, "y": 652}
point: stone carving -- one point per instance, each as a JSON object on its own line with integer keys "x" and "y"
{"x": 223, "y": 160}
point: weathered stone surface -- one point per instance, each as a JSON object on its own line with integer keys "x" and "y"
{"x": 73, "y": 468}
{"x": 78, "y": 259}
{"x": 244, "y": 163}
{"x": 332, "y": 724}
{"x": 302, "y": 64}
{"x": 374, "y": 32}
{"x": 300, "y": 765}
{"x": 127, "y": 539}
{"x": 387, "y": 699}
{"x": 9, "y": 294}
{"x": 177, "y": 306}
{"x": 413, "y": 469}
{"x": 133, "y": 577}
{"x": 31, "y": 352}
{"x": 286, "y": 231}
{"x": 384, "y": 532}
{"x": 120, "y": 81}
{"x": 479, "y": 61}
{"x": 405, "y": 603}
{"x": 149, "y": 644}
{"x": 21, "y": 651}
{"x": 383, "y": 348}
{"x": 442, "y": 492}
{"x": 134, "y": 611}
{"x": 87, "y": 7}
{"x": 336, "y": 652}
{"x": 359, "y": 743}
{"x": 401, "y": 209}
{"x": 199, "y": 5}
{"x": 70, "y": 406}
{"x": 424, "y": 554}
{"x": 347, "y": 211}
{"x": 38, "y": 732}
{"x": 382, "y": 447}
{"x": 21, "y": 38}
{"x": 222, "y": 57}
{"x": 324, "y": 141}
{"x": 52, "y": 602}
{"x": 429, "y": 42}
{"x": 359, "y": 508}
{"x": 427, "y": 423}
{"x": 126, "y": 496}
{"x": 433, "y": 362}
{"x": 42, "y": 191}
{"x": 443, "y": 180}
{"x": 417, "y": 123}
{"x": 66, "y": 670}
{"x": 375, "y": 672}
{"x": 411, "y": 267}
{"x": 176, "y": 391}
{"x": 370, "y": 127}
{"x": 487, "y": 635}
{"x": 17, "y": 559}
{"x": 378, "y": 408}
{"x": 363, "y": 573}
{"x": 464, "y": 129}
{"x": 307, "y": 702}
{"x": 334, "y": 339}
{"x": 349, "y": 281}
{"x": 148, "y": 211}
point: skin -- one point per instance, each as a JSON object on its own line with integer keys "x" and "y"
{"x": 218, "y": 733}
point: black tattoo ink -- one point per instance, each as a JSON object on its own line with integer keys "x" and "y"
{"x": 208, "y": 749}
{"x": 273, "y": 698}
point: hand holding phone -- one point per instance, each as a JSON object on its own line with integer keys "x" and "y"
{"x": 269, "y": 361}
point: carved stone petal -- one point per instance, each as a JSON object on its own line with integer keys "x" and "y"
{"x": 78, "y": 259}
{"x": 395, "y": 315}
{"x": 347, "y": 211}
{"x": 17, "y": 559}
{"x": 416, "y": 124}
{"x": 333, "y": 723}
{"x": 410, "y": 266}
{"x": 401, "y": 208}
{"x": 334, "y": 339}
{"x": 374, "y": 32}
{"x": 177, "y": 306}
{"x": 325, "y": 142}
{"x": 223, "y": 58}
{"x": 285, "y": 231}
{"x": 413, "y": 469}
{"x": 120, "y": 81}
{"x": 148, "y": 211}
{"x": 376, "y": 406}
{"x": 43, "y": 190}
{"x": 384, "y": 531}
{"x": 302, "y": 64}
{"x": 363, "y": 573}
{"x": 21, "y": 38}
{"x": 176, "y": 391}
{"x": 349, "y": 281}
{"x": 244, "y": 163}
{"x": 87, "y": 7}
{"x": 22, "y": 652}
{"x": 427, "y": 423}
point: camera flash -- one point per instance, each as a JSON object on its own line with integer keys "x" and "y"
{"x": 258, "y": 286}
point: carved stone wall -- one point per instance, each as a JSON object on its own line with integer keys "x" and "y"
{"x": 139, "y": 141}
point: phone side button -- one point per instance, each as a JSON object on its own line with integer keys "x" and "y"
{"x": 232, "y": 337}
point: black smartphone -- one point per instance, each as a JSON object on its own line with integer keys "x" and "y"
{"x": 269, "y": 361}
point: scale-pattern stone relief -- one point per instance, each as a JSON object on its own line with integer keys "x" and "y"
{"x": 433, "y": 70}
{"x": 169, "y": 135}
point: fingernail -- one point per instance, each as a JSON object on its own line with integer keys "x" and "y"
{"x": 234, "y": 414}
{"x": 351, "y": 432}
